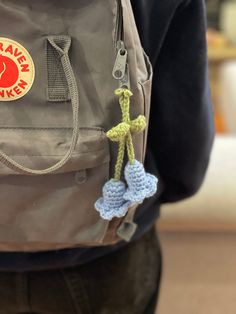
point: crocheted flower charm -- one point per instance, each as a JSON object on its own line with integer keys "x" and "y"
{"x": 117, "y": 198}
{"x": 112, "y": 204}
{"x": 141, "y": 185}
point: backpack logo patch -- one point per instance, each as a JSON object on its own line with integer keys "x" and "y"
{"x": 17, "y": 70}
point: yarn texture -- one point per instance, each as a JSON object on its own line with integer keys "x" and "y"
{"x": 112, "y": 204}
{"x": 140, "y": 184}
{"x": 118, "y": 196}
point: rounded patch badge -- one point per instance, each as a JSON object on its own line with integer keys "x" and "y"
{"x": 16, "y": 70}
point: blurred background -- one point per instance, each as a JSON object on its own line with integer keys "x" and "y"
{"x": 198, "y": 235}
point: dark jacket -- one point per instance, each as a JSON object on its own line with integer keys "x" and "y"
{"x": 181, "y": 127}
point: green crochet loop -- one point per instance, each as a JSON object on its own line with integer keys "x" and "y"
{"x": 119, "y": 132}
{"x": 122, "y": 132}
{"x": 138, "y": 125}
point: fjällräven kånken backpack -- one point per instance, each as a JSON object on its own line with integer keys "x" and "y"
{"x": 75, "y": 89}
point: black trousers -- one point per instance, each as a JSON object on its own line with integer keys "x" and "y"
{"x": 124, "y": 282}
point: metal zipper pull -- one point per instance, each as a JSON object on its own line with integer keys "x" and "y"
{"x": 125, "y": 81}
{"x": 119, "y": 68}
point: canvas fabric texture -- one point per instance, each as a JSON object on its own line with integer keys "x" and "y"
{"x": 54, "y": 153}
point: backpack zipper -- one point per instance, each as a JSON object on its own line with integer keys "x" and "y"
{"x": 121, "y": 69}
{"x": 119, "y": 23}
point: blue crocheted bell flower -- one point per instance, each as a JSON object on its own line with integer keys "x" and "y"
{"x": 140, "y": 184}
{"x": 112, "y": 204}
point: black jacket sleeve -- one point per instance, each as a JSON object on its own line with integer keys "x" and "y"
{"x": 181, "y": 128}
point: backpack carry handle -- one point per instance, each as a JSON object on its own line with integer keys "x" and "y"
{"x": 61, "y": 45}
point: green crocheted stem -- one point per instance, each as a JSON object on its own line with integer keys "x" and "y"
{"x": 124, "y": 101}
{"x": 122, "y": 132}
{"x": 130, "y": 148}
{"x": 120, "y": 159}
{"x": 125, "y": 105}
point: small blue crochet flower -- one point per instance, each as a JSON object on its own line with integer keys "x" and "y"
{"x": 112, "y": 204}
{"x": 140, "y": 184}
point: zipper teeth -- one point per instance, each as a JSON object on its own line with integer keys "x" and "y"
{"x": 119, "y": 23}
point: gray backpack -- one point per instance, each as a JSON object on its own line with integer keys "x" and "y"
{"x": 69, "y": 123}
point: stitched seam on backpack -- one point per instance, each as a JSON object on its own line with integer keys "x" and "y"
{"x": 74, "y": 154}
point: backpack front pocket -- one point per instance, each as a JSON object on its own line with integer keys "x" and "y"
{"x": 51, "y": 211}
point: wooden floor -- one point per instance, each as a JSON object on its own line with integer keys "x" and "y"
{"x": 199, "y": 275}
